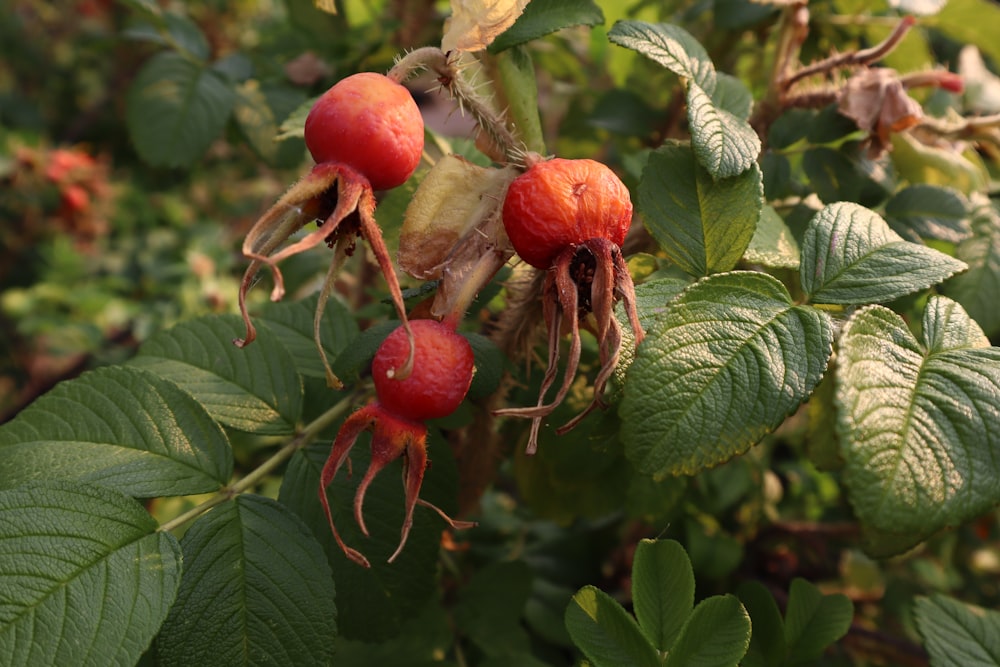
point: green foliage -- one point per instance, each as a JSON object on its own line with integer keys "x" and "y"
{"x": 815, "y": 387}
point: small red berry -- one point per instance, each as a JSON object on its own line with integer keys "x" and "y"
{"x": 369, "y": 123}
{"x": 442, "y": 371}
{"x": 559, "y": 203}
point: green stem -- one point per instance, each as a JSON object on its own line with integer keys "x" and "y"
{"x": 309, "y": 433}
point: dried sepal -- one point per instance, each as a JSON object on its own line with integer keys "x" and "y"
{"x": 392, "y": 438}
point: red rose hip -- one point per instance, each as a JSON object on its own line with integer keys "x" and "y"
{"x": 369, "y": 123}
{"x": 442, "y": 371}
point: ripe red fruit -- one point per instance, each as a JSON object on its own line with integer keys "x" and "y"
{"x": 370, "y": 123}
{"x": 570, "y": 217}
{"x": 558, "y": 203}
{"x": 441, "y": 375}
{"x": 442, "y": 371}
{"x": 365, "y": 133}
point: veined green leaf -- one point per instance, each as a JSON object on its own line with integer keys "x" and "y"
{"x": 383, "y": 597}
{"x": 716, "y": 634}
{"x": 669, "y": 45}
{"x": 929, "y": 212}
{"x": 662, "y": 590}
{"x": 254, "y": 389}
{"x": 733, "y": 96}
{"x": 725, "y": 145}
{"x": 175, "y": 109}
{"x": 728, "y": 361}
{"x": 918, "y": 420}
{"x": 978, "y": 289}
{"x": 292, "y": 322}
{"x": 118, "y": 427}
{"x": 813, "y": 621}
{"x": 773, "y": 244}
{"x": 543, "y": 17}
{"x": 605, "y": 632}
{"x": 851, "y": 256}
{"x": 257, "y": 589}
{"x": 703, "y": 224}
{"x": 958, "y": 634}
{"x": 85, "y": 578}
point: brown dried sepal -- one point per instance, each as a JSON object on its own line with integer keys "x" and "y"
{"x": 877, "y": 101}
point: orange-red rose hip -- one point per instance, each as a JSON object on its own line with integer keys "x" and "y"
{"x": 558, "y": 203}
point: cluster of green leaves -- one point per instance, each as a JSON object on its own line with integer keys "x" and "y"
{"x": 669, "y": 629}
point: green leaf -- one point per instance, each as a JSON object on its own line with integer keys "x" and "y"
{"x": 605, "y": 632}
{"x": 517, "y": 75}
{"x": 958, "y": 634}
{"x": 543, "y": 17}
{"x": 767, "y": 644}
{"x": 717, "y": 634}
{"x": 381, "y": 598}
{"x": 978, "y": 289}
{"x": 85, "y": 578}
{"x": 490, "y": 365}
{"x": 733, "y": 96}
{"x": 424, "y": 637}
{"x": 256, "y": 590}
{"x": 490, "y": 607}
{"x": 835, "y": 177}
{"x": 929, "y": 212}
{"x": 851, "y": 256}
{"x": 773, "y": 245}
{"x": 255, "y": 119}
{"x": 652, "y": 297}
{"x": 292, "y": 322}
{"x": 918, "y": 421}
{"x": 118, "y": 427}
{"x": 662, "y": 590}
{"x": 254, "y": 389}
{"x": 813, "y": 621}
{"x": 729, "y": 360}
{"x": 703, "y": 224}
{"x": 175, "y": 109}
{"x": 725, "y": 144}
{"x": 669, "y": 45}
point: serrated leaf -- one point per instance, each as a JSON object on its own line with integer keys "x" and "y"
{"x": 121, "y": 428}
{"x": 929, "y": 212}
{"x": 717, "y": 634}
{"x": 978, "y": 289}
{"x": 813, "y": 620}
{"x": 605, "y": 632}
{"x": 175, "y": 109}
{"x": 733, "y": 96}
{"x": 489, "y": 608}
{"x": 773, "y": 245}
{"x": 381, "y": 598}
{"x": 851, "y": 256}
{"x": 835, "y": 177}
{"x": 703, "y": 224}
{"x": 958, "y": 634}
{"x": 662, "y": 590}
{"x": 725, "y": 145}
{"x": 257, "y": 589}
{"x": 917, "y": 162}
{"x": 669, "y": 45}
{"x": 543, "y": 17}
{"x": 292, "y": 323}
{"x": 918, "y": 421}
{"x": 767, "y": 643}
{"x": 651, "y": 298}
{"x": 729, "y": 360}
{"x": 85, "y": 579}
{"x": 254, "y": 389}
